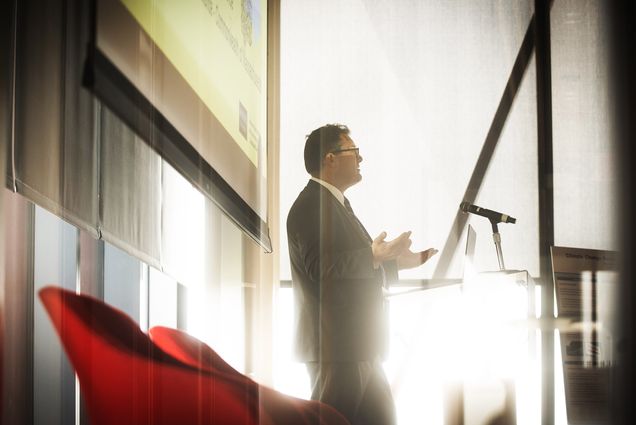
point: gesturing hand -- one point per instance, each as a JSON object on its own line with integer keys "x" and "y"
{"x": 409, "y": 259}
{"x": 389, "y": 250}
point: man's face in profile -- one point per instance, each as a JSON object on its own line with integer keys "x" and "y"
{"x": 348, "y": 162}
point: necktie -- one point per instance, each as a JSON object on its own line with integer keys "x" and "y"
{"x": 347, "y": 205}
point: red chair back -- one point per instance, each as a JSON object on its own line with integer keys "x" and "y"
{"x": 127, "y": 378}
{"x": 274, "y": 407}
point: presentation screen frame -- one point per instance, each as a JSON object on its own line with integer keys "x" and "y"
{"x": 140, "y": 85}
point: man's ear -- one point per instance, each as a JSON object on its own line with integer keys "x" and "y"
{"x": 329, "y": 160}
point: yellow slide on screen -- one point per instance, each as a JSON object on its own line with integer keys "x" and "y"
{"x": 220, "y": 49}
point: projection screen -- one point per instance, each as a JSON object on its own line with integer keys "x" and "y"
{"x": 190, "y": 78}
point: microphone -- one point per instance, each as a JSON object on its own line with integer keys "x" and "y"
{"x": 493, "y": 216}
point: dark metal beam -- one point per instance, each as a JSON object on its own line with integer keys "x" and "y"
{"x": 488, "y": 149}
{"x": 546, "y": 200}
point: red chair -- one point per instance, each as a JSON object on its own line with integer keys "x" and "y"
{"x": 126, "y": 378}
{"x": 274, "y": 407}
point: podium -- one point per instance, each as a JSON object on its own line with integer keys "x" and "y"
{"x": 499, "y": 371}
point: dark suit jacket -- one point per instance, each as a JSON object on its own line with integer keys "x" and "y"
{"x": 338, "y": 294}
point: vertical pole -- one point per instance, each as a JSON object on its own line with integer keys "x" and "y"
{"x": 621, "y": 16}
{"x": 546, "y": 200}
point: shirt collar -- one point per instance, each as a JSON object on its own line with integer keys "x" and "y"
{"x": 333, "y": 189}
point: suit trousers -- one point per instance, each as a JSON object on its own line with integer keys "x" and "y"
{"x": 358, "y": 390}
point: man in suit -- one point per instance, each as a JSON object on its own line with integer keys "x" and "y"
{"x": 338, "y": 275}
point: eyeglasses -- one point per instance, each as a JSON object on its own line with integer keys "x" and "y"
{"x": 356, "y": 150}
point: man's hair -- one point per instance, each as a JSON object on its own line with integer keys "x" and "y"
{"x": 320, "y": 142}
